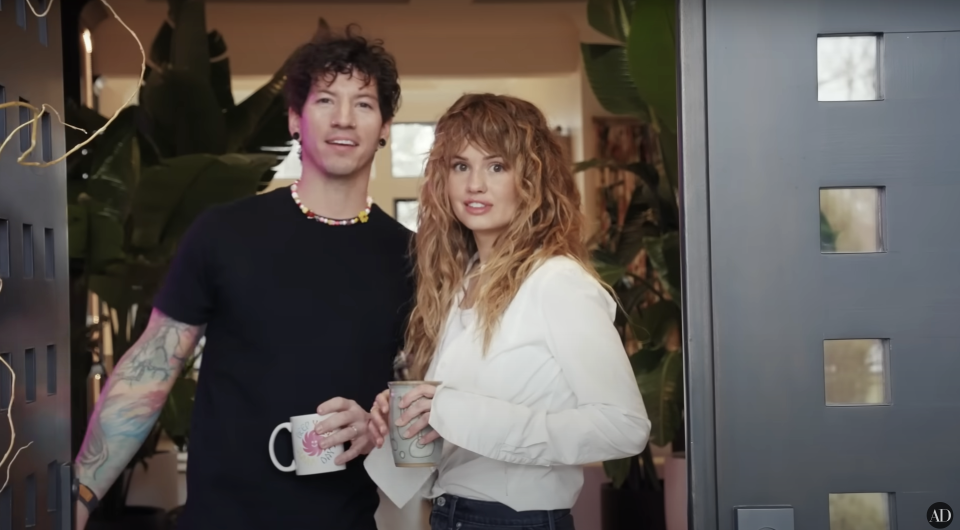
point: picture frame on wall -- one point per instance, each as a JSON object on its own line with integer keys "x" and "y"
{"x": 406, "y": 212}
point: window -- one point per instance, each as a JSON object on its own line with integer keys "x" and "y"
{"x": 410, "y": 145}
{"x": 407, "y": 212}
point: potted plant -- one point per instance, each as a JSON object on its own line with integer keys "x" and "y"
{"x": 638, "y": 250}
{"x": 134, "y": 191}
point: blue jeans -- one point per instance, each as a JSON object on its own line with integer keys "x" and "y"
{"x": 457, "y": 513}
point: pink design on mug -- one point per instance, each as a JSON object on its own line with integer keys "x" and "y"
{"x": 311, "y": 443}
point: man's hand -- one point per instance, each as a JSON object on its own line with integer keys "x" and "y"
{"x": 348, "y": 423}
{"x": 379, "y": 416}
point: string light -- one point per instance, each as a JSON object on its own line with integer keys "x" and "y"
{"x": 37, "y": 114}
{"x": 13, "y": 430}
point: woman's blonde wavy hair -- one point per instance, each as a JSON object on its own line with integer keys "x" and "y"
{"x": 548, "y": 221}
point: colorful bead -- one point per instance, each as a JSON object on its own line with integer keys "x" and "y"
{"x": 363, "y": 217}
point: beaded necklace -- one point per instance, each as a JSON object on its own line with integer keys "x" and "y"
{"x": 361, "y": 218}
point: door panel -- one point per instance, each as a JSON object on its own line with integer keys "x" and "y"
{"x": 775, "y": 297}
{"x": 34, "y": 325}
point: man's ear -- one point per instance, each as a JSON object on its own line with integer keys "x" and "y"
{"x": 293, "y": 121}
{"x": 385, "y": 130}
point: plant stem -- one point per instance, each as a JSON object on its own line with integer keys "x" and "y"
{"x": 647, "y": 284}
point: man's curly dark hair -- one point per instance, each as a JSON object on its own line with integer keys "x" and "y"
{"x": 331, "y": 55}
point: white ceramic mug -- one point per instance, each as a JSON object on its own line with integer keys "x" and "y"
{"x": 308, "y": 457}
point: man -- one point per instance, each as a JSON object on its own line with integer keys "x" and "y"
{"x": 302, "y": 295}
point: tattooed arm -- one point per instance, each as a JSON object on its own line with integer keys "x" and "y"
{"x": 131, "y": 402}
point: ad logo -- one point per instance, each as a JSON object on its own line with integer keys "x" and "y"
{"x": 939, "y": 515}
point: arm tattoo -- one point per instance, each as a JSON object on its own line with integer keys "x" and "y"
{"x": 162, "y": 355}
{"x": 132, "y": 399}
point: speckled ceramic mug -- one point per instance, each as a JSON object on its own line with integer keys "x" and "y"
{"x": 409, "y": 452}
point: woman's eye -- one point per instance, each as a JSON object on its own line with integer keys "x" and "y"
{"x": 367, "y": 105}
{"x": 497, "y": 168}
{"x": 459, "y": 166}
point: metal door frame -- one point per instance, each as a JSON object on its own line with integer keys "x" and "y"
{"x": 699, "y": 414}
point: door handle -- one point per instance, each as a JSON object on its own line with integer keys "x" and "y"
{"x": 778, "y": 517}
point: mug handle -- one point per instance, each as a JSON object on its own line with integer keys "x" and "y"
{"x": 273, "y": 457}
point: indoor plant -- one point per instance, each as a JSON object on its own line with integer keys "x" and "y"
{"x": 135, "y": 189}
{"x": 638, "y": 253}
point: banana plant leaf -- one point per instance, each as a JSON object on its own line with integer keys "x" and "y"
{"x": 172, "y": 194}
{"x": 78, "y": 226}
{"x": 261, "y": 109}
{"x": 160, "y": 60}
{"x": 117, "y": 163}
{"x": 608, "y": 72}
{"x": 617, "y": 470}
{"x": 185, "y": 116}
{"x": 646, "y": 360}
{"x": 651, "y": 56}
{"x": 652, "y": 324}
{"x": 99, "y": 235}
{"x": 664, "y": 253}
{"x": 610, "y": 18}
{"x": 662, "y": 391}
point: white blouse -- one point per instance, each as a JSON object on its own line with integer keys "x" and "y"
{"x": 554, "y": 391}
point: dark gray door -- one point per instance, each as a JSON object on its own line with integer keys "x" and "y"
{"x": 821, "y": 154}
{"x": 34, "y": 326}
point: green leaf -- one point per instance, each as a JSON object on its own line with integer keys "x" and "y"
{"x": 590, "y": 164}
{"x": 189, "y": 49}
{"x": 160, "y": 60}
{"x": 220, "y": 70}
{"x": 104, "y": 238}
{"x": 178, "y": 410}
{"x": 116, "y": 165}
{"x": 636, "y": 226}
{"x": 115, "y": 290}
{"x": 669, "y": 151}
{"x": 662, "y": 390}
{"x": 664, "y": 254}
{"x": 159, "y": 57}
{"x": 634, "y": 296}
{"x": 185, "y": 114}
{"x": 646, "y": 360}
{"x": 652, "y": 58}
{"x": 609, "y": 75}
{"x": 78, "y": 227}
{"x": 607, "y": 17}
{"x": 172, "y": 194}
{"x": 617, "y": 470}
{"x": 609, "y": 272}
{"x": 244, "y": 120}
{"x": 652, "y": 324}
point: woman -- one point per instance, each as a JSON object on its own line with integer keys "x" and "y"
{"x": 515, "y": 324}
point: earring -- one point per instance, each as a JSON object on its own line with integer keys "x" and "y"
{"x": 296, "y": 137}
{"x": 383, "y": 142}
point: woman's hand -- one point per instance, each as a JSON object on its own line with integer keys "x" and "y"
{"x": 379, "y": 416}
{"x": 417, "y": 403}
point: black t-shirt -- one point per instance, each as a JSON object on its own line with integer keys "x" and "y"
{"x": 297, "y": 312}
